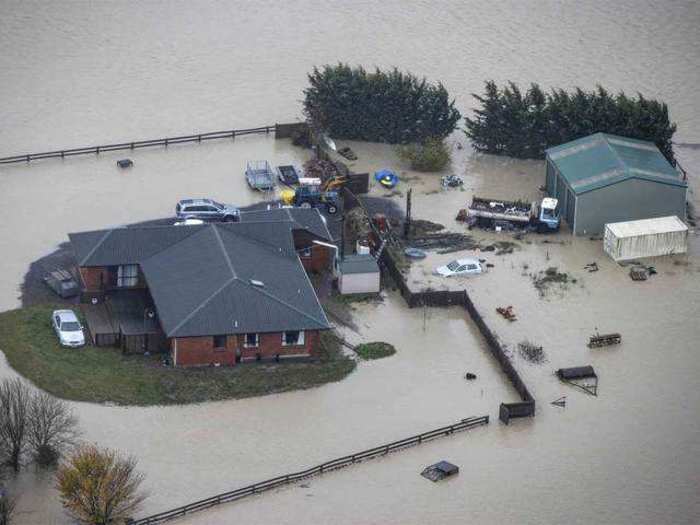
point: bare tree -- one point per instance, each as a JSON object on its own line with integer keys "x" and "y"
{"x": 52, "y": 428}
{"x": 7, "y": 507}
{"x": 99, "y": 487}
{"x": 15, "y": 399}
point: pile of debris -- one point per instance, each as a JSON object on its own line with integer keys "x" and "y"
{"x": 531, "y": 353}
{"x": 550, "y": 276}
{"x": 447, "y": 242}
{"x": 320, "y": 169}
{"x": 507, "y": 313}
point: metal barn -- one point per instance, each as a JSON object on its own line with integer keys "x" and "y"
{"x": 604, "y": 178}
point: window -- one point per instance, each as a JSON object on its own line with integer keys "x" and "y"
{"x": 219, "y": 341}
{"x": 251, "y": 340}
{"x": 128, "y": 275}
{"x": 293, "y": 338}
{"x": 453, "y": 266}
{"x": 471, "y": 266}
{"x": 305, "y": 252}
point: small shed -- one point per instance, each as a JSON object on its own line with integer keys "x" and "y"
{"x": 606, "y": 178}
{"x": 645, "y": 238}
{"x": 359, "y": 274}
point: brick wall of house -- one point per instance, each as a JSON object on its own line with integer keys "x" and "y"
{"x": 319, "y": 261}
{"x": 200, "y": 351}
{"x": 270, "y": 346}
{"x": 94, "y": 278}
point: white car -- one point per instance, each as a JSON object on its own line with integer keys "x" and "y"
{"x": 459, "y": 267}
{"x": 68, "y": 329}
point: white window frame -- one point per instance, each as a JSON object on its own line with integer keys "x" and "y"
{"x": 300, "y": 339}
{"x": 127, "y": 275}
{"x": 245, "y": 341}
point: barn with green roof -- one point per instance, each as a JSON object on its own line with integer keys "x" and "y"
{"x": 606, "y": 178}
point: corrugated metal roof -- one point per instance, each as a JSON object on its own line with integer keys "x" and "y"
{"x": 359, "y": 264}
{"x": 647, "y": 227}
{"x": 602, "y": 159}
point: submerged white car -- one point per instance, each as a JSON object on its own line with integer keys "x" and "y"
{"x": 459, "y": 267}
{"x": 68, "y": 329}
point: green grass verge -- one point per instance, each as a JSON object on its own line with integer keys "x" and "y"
{"x": 375, "y": 350}
{"x": 106, "y": 375}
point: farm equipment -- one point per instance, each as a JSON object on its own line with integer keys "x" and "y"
{"x": 312, "y": 197}
{"x": 259, "y": 175}
{"x": 490, "y": 213}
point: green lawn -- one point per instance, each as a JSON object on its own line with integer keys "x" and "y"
{"x": 375, "y": 350}
{"x": 105, "y": 375}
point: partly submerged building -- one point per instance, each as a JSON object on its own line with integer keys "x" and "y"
{"x": 211, "y": 294}
{"x": 605, "y": 178}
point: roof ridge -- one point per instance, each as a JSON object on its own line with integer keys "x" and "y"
{"x": 167, "y": 247}
{"x": 200, "y": 306}
{"x": 283, "y": 302}
{"x": 269, "y": 246}
{"x": 99, "y": 243}
{"x": 621, "y": 163}
{"x": 223, "y": 249}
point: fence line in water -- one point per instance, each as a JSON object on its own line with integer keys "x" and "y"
{"x": 334, "y": 464}
{"x": 281, "y": 131}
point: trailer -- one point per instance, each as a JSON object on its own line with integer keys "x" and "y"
{"x": 496, "y": 213}
{"x": 259, "y": 175}
{"x": 289, "y": 174}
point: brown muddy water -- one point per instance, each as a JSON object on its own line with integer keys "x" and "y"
{"x": 77, "y": 73}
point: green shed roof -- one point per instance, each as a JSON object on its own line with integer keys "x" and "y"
{"x": 602, "y": 159}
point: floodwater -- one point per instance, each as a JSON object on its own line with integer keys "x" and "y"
{"x": 77, "y": 73}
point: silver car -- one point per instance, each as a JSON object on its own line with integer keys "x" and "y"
{"x": 206, "y": 209}
{"x": 68, "y": 329}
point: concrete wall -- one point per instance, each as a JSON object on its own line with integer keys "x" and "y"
{"x": 627, "y": 201}
{"x": 359, "y": 283}
{"x": 200, "y": 351}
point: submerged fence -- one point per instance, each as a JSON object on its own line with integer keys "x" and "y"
{"x": 334, "y": 464}
{"x": 280, "y": 130}
{"x": 526, "y": 408}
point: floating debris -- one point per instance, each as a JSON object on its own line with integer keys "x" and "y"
{"x": 598, "y": 340}
{"x": 469, "y": 376}
{"x": 531, "y": 353}
{"x": 439, "y": 471}
{"x": 591, "y": 267}
{"x": 125, "y": 163}
{"x": 579, "y": 373}
{"x": 560, "y": 402}
{"x": 507, "y": 313}
{"x": 639, "y": 273}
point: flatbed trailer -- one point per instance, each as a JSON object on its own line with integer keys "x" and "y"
{"x": 259, "y": 175}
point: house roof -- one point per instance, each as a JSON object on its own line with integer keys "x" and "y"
{"x": 214, "y": 279}
{"x": 309, "y": 219}
{"x": 359, "y": 264}
{"x": 601, "y": 159}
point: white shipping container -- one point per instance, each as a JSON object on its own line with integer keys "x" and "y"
{"x": 645, "y": 238}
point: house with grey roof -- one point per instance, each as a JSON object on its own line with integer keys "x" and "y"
{"x": 605, "y": 178}
{"x": 210, "y": 294}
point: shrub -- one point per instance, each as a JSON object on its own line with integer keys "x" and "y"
{"x": 524, "y": 125}
{"x": 431, "y": 155}
{"x": 393, "y": 107}
{"x": 375, "y": 350}
{"x": 98, "y": 487}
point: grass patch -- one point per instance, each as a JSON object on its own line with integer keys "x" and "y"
{"x": 375, "y": 350}
{"x": 106, "y": 375}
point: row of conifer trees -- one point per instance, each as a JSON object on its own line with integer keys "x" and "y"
{"x": 399, "y": 108}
